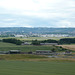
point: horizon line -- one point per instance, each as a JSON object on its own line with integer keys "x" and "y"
{"x": 37, "y": 27}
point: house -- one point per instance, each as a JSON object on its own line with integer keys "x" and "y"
{"x": 4, "y": 52}
{"x": 48, "y": 43}
{"x": 43, "y": 52}
{"x": 26, "y": 43}
{"x": 30, "y": 52}
{"x": 68, "y": 52}
{"x": 14, "y": 52}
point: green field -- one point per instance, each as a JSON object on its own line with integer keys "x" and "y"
{"x": 34, "y": 38}
{"x": 40, "y": 38}
{"x": 26, "y": 48}
{"x": 22, "y": 64}
{"x": 36, "y": 68}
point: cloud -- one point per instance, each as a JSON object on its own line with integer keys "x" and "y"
{"x": 35, "y": 13}
{"x": 64, "y": 23}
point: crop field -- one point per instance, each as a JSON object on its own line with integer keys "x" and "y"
{"x": 36, "y": 68}
{"x": 71, "y": 47}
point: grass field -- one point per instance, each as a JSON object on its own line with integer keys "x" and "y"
{"x": 28, "y": 57}
{"x": 33, "y": 38}
{"x": 40, "y": 38}
{"x": 22, "y": 64}
{"x": 26, "y": 48}
{"x": 36, "y": 68}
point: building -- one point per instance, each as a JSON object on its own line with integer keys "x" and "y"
{"x": 20, "y": 35}
{"x": 43, "y": 52}
{"x": 14, "y": 52}
{"x": 4, "y": 52}
{"x": 68, "y": 52}
{"x": 48, "y": 43}
{"x": 26, "y": 43}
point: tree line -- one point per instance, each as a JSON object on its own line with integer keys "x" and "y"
{"x": 61, "y": 41}
{"x": 67, "y": 41}
{"x": 13, "y": 40}
{"x": 37, "y": 42}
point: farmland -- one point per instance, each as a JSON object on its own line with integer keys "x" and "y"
{"x": 71, "y": 47}
{"x": 9, "y": 46}
{"x": 30, "y": 57}
{"x": 27, "y": 64}
{"x": 36, "y": 68}
{"x": 26, "y": 48}
{"x": 33, "y": 38}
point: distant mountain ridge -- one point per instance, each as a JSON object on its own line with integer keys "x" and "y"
{"x": 42, "y": 30}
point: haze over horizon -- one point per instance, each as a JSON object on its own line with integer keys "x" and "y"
{"x": 37, "y": 13}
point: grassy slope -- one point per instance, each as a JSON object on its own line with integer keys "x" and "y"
{"x": 8, "y": 46}
{"x": 36, "y": 68}
{"x": 2, "y": 44}
{"x": 26, "y": 48}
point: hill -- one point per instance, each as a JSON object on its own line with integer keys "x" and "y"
{"x": 42, "y": 30}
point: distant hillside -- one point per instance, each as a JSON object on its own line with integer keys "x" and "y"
{"x": 42, "y": 30}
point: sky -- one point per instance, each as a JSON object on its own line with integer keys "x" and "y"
{"x": 37, "y": 13}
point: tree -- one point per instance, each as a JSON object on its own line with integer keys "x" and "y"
{"x": 35, "y": 42}
{"x": 53, "y": 50}
{"x": 49, "y": 41}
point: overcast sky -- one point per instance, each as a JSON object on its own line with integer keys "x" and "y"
{"x": 37, "y": 13}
